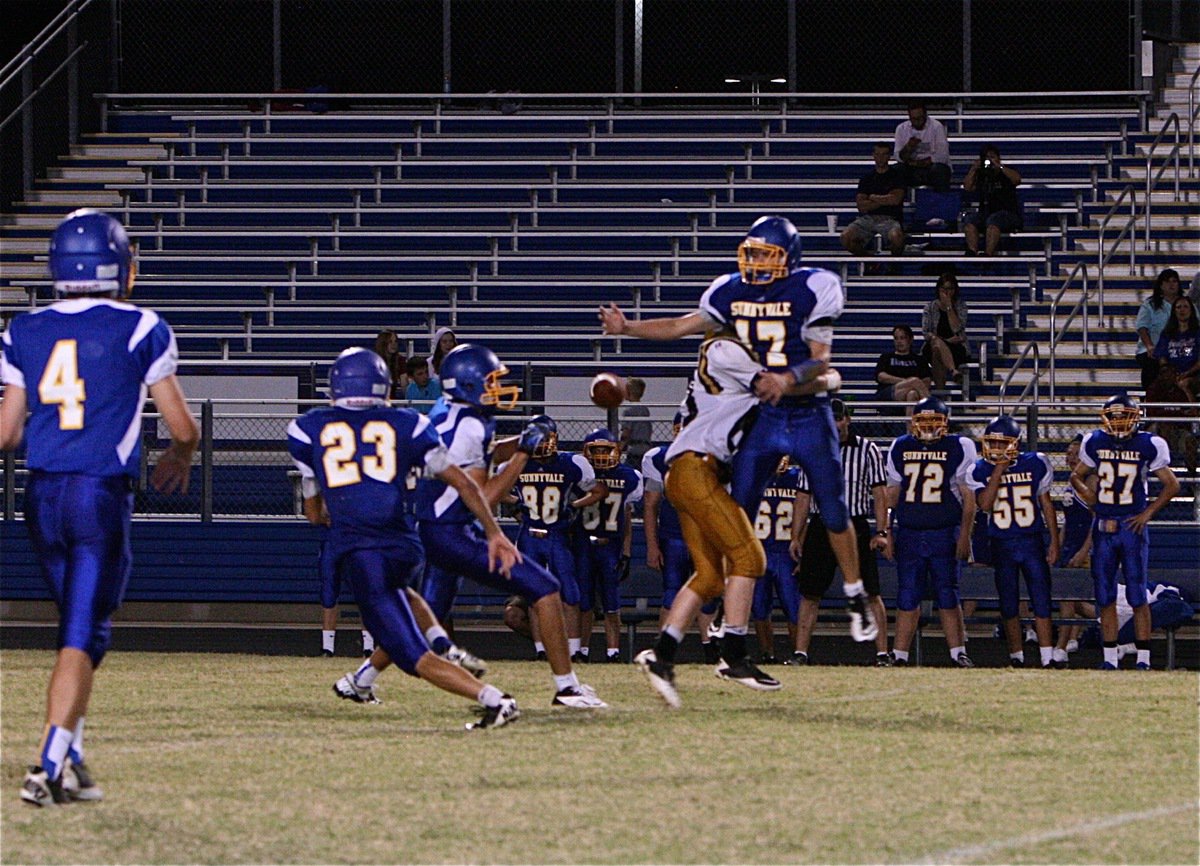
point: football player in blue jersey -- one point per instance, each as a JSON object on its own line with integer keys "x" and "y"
{"x": 330, "y": 588}
{"x": 933, "y": 509}
{"x": 546, "y": 491}
{"x": 773, "y": 526}
{"x": 604, "y": 536}
{"x": 666, "y": 551}
{"x": 1076, "y": 534}
{"x": 1013, "y": 487}
{"x": 354, "y": 458}
{"x": 783, "y": 312}
{"x": 473, "y": 377}
{"x": 1121, "y": 457}
{"x": 81, "y": 368}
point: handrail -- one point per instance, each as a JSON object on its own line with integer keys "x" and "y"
{"x": 1193, "y": 108}
{"x": 29, "y": 51}
{"x": 1151, "y": 184}
{"x": 1056, "y": 335}
{"x": 873, "y": 96}
{"x": 1032, "y": 383}
{"x": 1104, "y": 259}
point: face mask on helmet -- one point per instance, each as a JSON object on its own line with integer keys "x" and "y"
{"x": 496, "y": 393}
{"x": 930, "y": 426}
{"x": 996, "y": 447}
{"x": 548, "y": 447}
{"x": 1120, "y": 421}
{"x": 760, "y": 262}
{"x": 602, "y": 453}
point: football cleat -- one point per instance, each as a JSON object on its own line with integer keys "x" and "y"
{"x": 1106, "y": 666}
{"x": 497, "y": 716}
{"x": 579, "y": 659}
{"x": 712, "y": 652}
{"x": 883, "y": 660}
{"x": 964, "y": 661}
{"x": 863, "y": 627}
{"x": 798, "y": 658}
{"x": 1060, "y": 665}
{"x": 539, "y": 656}
{"x": 39, "y": 789}
{"x": 768, "y": 659}
{"x": 747, "y": 674}
{"x": 610, "y": 658}
{"x": 327, "y": 653}
{"x": 1015, "y": 663}
{"x": 1142, "y": 666}
{"x": 466, "y": 660}
{"x": 900, "y": 663}
{"x": 349, "y": 690}
{"x": 581, "y": 697}
{"x": 78, "y": 783}
{"x": 661, "y": 676}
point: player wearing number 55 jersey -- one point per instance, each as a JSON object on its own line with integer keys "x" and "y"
{"x": 1013, "y": 486}
{"x": 1120, "y": 457}
{"x": 82, "y": 368}
{"x": 933, "y": 509}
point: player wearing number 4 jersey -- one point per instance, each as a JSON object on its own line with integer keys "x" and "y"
{"x": 354, "y": 459}
{"x": 933, "y": 509}
{"x": 1013, "y": 487}
{"x": 82, "y": 368}
{"x": 1121, "y": 457}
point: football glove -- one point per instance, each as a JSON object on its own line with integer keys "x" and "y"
{"x": 531, "y": 437}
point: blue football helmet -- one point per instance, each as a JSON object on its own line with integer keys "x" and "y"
{"x": 548, "y": 447}
{"x": 770, "y": 251}
{"x": 930, "y": 419}
{"x": 1001, "y": 440}
{"x": 359, "y": 377}
{"x": 90, "y": 254}
{"x": 602, "y": 449}
{"x": 471, "y": 374}
{"x": 1120, "y": 416}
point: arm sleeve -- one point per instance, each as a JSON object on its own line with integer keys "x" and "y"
{"x": 893, "y": 475}
{"x": 635, "y": 495}
{"x": 1143, "y": 317}
{"x": 428, "y": 446}
{"x": 1085, "y": 452}
{"x": 977, "y": 478}
{"x": 1047, "y": 478}
{"x": 1162, "y": 454}
{"x": 587, "y": 475}
{"x": 467, "y": 446}
{"x": 881, "y": 365}
{"x": 651, "y": 480}
{"x": 712, "y": 306}
{"x": 900, "y": 138}
{"x": 300, "y": 447}
{"x": 929, "y": 320}
{"x": 831, "y": 298}
{"x": 152, "y": 347}
{"x": 970, "y": 455}
{"x": 10, "y": 369}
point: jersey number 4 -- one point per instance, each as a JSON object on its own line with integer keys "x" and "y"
{"x": 341, "y": 460}
{"x": 60, "y": 383}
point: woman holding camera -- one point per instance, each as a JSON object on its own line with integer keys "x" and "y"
{"x": 999, "y": 209}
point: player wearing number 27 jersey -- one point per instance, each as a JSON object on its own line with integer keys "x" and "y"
{"x": 933, "y": 509}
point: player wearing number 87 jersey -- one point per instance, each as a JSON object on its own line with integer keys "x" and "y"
{"x": 82, "y": 367}
{"x": 1014, "y": 488}
{"x": 933, "y": 509}
{"x": 1120, "y": 457}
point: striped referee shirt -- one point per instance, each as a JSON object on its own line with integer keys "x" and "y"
{"x": 863, "y": 468}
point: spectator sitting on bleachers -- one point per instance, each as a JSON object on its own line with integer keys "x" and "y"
{"x": 902, "y": 374}
{"x": 923, "y": 150}
{"x": 443, "y": 341}
{"x": 1178, "y": 348}
{"x": 387, "y": 346}
{"x": 880, "y": 202}
{"x": 999, "y": 210}
{"x": 1152, "y": 317}
{"x": 422, "y": 390}
{"x": 944, "y": 325}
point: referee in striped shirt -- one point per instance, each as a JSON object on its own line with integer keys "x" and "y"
{"x": 866, "y": 477}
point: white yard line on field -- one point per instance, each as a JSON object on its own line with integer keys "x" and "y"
{"x": 1026, "y": 840}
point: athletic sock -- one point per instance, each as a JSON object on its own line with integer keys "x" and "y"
{"x": 666, "y": 646}
{"x": 1020, "y": 656}
{"x": 567, "y": 681}
{"x": 1143, "y": 652}
{"x": 327, "y": 636}
{"x": 75, "y": 752}
{"x": 1047, "y": 654}
{"x": 365, "y": 676}
{"x": 613, "y": 653}
{"x": 55, "y": 743}
{"x": 573, "y": 645}
{"x": 585, "y": 651}
{"x": 733, "y": 647}
{"x": 956, "y": 651}
{"x": 538, "y": 646}
{"x": 490, "y": 696}
{"x": 900, "y": 655}
{"x": 1110, "y": 653}
{"x": 438, "y": 640}
{"x": 854, "y": 589}
{"x": 1060, "y": 655}
{"x": 368, "y": 642}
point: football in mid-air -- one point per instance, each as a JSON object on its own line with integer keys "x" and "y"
{"x": 608, "y": 390}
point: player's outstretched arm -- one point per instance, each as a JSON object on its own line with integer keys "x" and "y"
{"x": 502, "y": 555}
{"x": 175, "y": 464}
{"x": 614, "y": 324}
{"x": 12, "y": 417}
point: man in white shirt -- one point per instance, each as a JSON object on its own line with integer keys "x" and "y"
{"x": 923, "y": 150}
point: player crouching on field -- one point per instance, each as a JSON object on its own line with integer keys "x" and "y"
{"x": 1013, "y": 487}
{"x": 355, "y": 457}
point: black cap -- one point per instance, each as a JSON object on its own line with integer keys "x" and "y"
{"x": 840, "y": 410}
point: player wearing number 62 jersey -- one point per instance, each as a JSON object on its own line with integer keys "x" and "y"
{"x": 1013, "y": 486}
{"x": 933, "y": 509}
{"x": 82, "y": 367}
{"x": 773, "y": 526}
{"x": 1121, "y": 457}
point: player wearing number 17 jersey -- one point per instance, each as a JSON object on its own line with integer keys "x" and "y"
{"x": 1121, "y": 457}
{"x": 933, "y": 509}
{"x": 82, "y": 367}
{"x": 1013, "y": 487}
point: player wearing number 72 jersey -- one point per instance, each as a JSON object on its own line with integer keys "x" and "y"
{"x": 1121, "y": 456}
{"x": 1013, "y": 486}
{"x": 934, "y": 510}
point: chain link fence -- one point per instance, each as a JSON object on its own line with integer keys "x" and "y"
{"x": 602, "y": 46}
{"x": 243, "y": 469}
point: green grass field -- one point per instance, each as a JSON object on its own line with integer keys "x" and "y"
{"x": 244, "y": 759}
